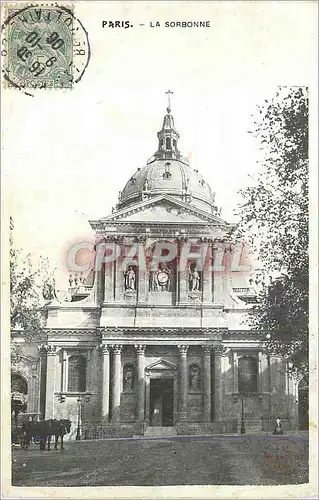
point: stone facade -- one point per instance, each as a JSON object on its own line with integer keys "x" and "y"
{"x": 139, "y": 348}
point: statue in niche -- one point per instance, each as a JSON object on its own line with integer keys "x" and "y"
{"x": 128, "y": 378}
{"x": 194, "y": 378}
{"x": 194, "y": 279}
{"x": 130, "y": 279}
{"x": 48, "y": 290}
{"x": 146, "y": 185}
{"x": 153, "y": 284}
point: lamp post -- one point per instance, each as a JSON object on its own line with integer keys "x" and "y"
{"x": 242, "y": 425}
{"x": 79, "y": 424}
{"x": 78, "y": 430}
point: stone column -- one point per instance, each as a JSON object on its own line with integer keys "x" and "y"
{"x": 218, "y": 254}
{"x": 64, "y": 381}
{"x": 116, "y": 386}
{"x": 140, "y": 407}
{"x": 260, "y": 381}
{"x": 182, "y": 275}
{"x": 218, "y": 387}
{"x": 50, "y": 382}
{"x": 235, "y": 372}
{"x": 142, "y": 273}
{"x": 109, "y": 269}
{"x": 33, "y": 388}
{"x": 208, "y": 277}
{"x": 42, "y": 381}
{"x": 207, "y": 383}
{"x": 105, "y": 382}
{"x": 183, "y": 383}
{"x": 119, "y": 272}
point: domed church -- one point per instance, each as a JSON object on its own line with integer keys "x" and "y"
{"x": 154, "y": 342}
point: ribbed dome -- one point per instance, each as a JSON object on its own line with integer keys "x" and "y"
{"x": 176, "y": 179}
{"x": 168, "y": 172}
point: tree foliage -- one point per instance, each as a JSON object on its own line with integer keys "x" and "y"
{"x": 27, "y": 283}
{"x": 274, "y": 219}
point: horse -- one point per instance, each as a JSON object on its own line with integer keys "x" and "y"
{"x": 44, "y": 430}
{"x": 60, "y": 428}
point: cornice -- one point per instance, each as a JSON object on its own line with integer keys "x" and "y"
{"x": 147, "y": 331}
{"x": 241, "y": 333}
{"x": 71, "y": 331}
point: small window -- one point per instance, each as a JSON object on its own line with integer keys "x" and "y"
{"x": 247, "y": 374}
{"x": 77, "y": 374}
{"x": 168, "y": 143}
{"x": 174, "y": 143}
{"x": 167, "y": 173}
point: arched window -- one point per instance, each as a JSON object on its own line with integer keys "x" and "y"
{"x": 247, "y": 374}
{"x": 128, "y": 377}
{"x": 19, "y": 393}
{"x": 194, "y": 378}
{"x": 18, "y": 384}
{"x": 77, "y": 374}
{"x": 168, "y": 143}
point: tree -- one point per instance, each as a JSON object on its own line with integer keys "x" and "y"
{"x": 29, "y": 286}
{"x": 274, "y": 219}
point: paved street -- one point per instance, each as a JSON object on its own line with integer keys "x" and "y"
{"x": 254, "y": 459}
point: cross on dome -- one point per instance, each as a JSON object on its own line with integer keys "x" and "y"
{"x": 169, "y": 93}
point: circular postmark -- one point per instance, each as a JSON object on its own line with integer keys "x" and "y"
{"x": 43, "y": 46}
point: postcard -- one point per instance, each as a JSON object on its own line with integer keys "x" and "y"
{"x": 159, "y": 249}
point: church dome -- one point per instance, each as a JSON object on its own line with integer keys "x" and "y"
{"x": 168, "y": 172}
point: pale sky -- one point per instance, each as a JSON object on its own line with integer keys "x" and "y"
{"x": 68, "y": 153}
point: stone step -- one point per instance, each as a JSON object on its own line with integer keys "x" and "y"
{"x": 252, "y": 425}
{"x": 160, "y": 432}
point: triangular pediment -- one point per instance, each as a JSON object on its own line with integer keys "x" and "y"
{"x": 163, "y": 208}
{"x": 161, "y": 364}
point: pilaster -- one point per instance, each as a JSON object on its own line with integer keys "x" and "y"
{"x": 116, "y": 386}
{"x": 183, "y": 383}
{"x": 105, "y": 381}
{"x": 219, "y": 351}
{"x": 208, "y": 277}
{"x": 207, "y": 382}
{"x": 50, "y": 381}
{"x": 140, "y": 410}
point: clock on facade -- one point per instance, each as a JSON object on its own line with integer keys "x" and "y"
{"x": 162, "y": 278}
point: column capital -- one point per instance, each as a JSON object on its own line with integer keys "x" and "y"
{"x": 141, "y": 238}
{"x": 115, "y": 238}
{"x": 205, "y": 239}
{"x": 104, "y": 348}
{"x": 183, "y": 349}
{"x": 117, "y": 348}
{"x": 207, "y": 349}
{"x": 51, "y": 350}
{"x": 140, "y": 349}
{"x": 220, "y": 350}
{"x": 42, "y": 349}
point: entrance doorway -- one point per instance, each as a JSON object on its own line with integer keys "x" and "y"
{"x": 161, "y": 402}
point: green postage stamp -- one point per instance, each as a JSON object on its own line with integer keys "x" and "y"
{"x": 43, "y": 47}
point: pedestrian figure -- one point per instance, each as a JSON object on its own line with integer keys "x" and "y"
{"x": 278, "y": 427}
